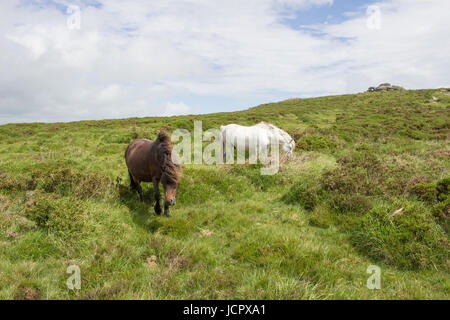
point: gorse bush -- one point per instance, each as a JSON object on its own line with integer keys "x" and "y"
{"x": 407, "y": 238}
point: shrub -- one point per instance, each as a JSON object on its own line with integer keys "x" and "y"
{"x": 353, "y": 202}
{"x": 426, "y": 192}
{"x": 27, "y": 290}
{"x": 443, "y": 188}
{"x": 304, "y": 193}
{"x": 314, "y": 142}
{"x": 17, "y": 182}
{"x": 407, "y": 239}
{"x": 441, "y": 212}
{"x": 360, "y": 173}
{"x": 92, "y": 185}
{"x": 125, "y": 137}
{"x": 57, "y": 180}
{"x": 297, "y": 136}
{"x": 62, "y": 216}
{"x": 141, "y": 133}
{"x": 64, "y": 182}
{"x": 414, "y": 134}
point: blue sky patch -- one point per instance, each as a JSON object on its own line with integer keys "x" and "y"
{"x": 338, "y": 12}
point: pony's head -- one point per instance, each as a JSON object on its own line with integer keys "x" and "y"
{"x": 170, "y": 172}
{"x": 288, "y": 144}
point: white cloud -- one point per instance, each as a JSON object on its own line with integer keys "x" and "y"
{"x": 178, "y": 108}
{"x": 131, "y": 59}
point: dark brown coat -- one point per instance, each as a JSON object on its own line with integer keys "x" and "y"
{"x": 151, "y": 161}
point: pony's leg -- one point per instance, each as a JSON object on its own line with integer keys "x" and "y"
{"x": 224, "y": 153}
{"x": 139, "y": 189}
{"x": 157, "y": 197}
{"x": 166, "y": 209}
{"x": 223, "y": 144}
{"x": 228, "y": 148}
{"x": 263, "y": 153}
{"x": 134, "y": 185}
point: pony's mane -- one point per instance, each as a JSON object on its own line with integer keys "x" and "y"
{"x": 279, "y": 131}
{"x": 268, "y": 125}
{"x": 171, "y": 172}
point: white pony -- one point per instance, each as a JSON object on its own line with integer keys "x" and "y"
{"x": 262, "y": 135}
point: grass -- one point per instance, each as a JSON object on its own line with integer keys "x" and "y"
{"x": 309, "y": 232}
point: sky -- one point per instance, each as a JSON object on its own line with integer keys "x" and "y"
{"x": 81, "y": 60}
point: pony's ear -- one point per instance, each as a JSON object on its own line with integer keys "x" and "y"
{"x": 164, "y": 130}
{"x": 163, "y": 136}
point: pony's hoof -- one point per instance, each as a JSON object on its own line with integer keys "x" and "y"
{"x": 158, "y": 210}
{"x": 167, "y": 214}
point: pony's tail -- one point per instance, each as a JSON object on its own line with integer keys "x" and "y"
{"x": 133, "y": 184}
{"x": 126, "y": 152}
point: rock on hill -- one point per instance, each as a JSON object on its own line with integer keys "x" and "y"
{"x": 385, "y": 87}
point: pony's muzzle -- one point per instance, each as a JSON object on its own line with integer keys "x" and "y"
{"x": 172, "y": 201}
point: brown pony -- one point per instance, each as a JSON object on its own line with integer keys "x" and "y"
{"x": 151, "y": 161}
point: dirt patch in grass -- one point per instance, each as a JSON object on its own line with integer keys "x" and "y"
{"x": 9, "y": 182}
{"x": 5, "y": 202}
{"x": 151, "y": 262}
{"x": 106, "y": 293}
{"x": 27, "y": 291}
{"x": 176, "y": 261}
{"x": 440, "y": 153}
